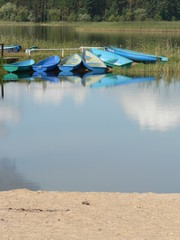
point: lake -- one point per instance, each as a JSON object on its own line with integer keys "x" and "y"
{"x": 80, "y": 134}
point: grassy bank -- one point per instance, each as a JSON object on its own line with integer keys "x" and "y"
{"x": 145, "y": 26}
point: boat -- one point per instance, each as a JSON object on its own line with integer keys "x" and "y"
{"x": 93, "y": 63}
{"x": 19, "y": 66}
{"x": 137, "y": 56}
{"x": 111, "y": 59}
{"x": 46, "y": 76}
{"x": 70, "y": 63}
{"x": 47, "y": 64}
{"x": 13, "y": 48}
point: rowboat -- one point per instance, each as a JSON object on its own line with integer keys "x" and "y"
{"x": 47, "y": 64}
{"x": 111, "y": 59}
{"x": 70, "y": 63}
{"x": 13, "y": 48}
{"x": 19, "y": 66}
{"x": 137, "y": 56}
{"x": 93, "y": 63}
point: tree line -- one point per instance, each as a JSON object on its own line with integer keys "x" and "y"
{"x": 89, "y": 10}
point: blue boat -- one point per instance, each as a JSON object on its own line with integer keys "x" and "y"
{"x": 111, "y": 59}
{"x": 137, "y": 56}
{"x": 93, "y": 63}
{"x": 46, "y": 76}
{"x": 47, "y": 64}
{"x": 70, "y": 63}
{"x": 21, "y": 66}
{"x": 13, "y": 48}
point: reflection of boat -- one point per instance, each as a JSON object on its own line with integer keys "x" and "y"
{"x": 47, "y": 76}
{"x": 19, "y": 66}
{"x": 13, "y": 48}
{"x": 110, "y": 80}
{"x": 111, "y": 59}
{"x": 93, "y": 63}
{"x": 90, "y": 78}
{"x": 70, "y": 77}
{"x": 47, "y": 64}
{"x": 70, "y": 63}
{"x": 136, "y": 56}
{"x": 18, "y": 76}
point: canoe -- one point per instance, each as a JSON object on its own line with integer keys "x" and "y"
{"x": 19, "y": 66}
{"x": 111, "y": 59}
{"x": 93, "y": 63}
{"x": 13, "y": 48}
{"x": 47, "y": 64}
{"x": 136, "y": 56}
{"x": 70, "y": 63}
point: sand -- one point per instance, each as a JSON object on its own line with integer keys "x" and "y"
{"x": 40, "y": 215}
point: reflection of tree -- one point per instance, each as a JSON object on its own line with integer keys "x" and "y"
{"x": 10, "y": 178}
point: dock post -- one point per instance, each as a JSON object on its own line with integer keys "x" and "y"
{"x": 2, "y": 88}
{"x": 2, "y": 50}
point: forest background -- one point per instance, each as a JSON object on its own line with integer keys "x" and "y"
{"x": 89, "y": 10}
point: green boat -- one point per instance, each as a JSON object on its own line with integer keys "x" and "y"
{"x": 19, "y": 66}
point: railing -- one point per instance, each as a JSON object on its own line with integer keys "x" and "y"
{"x": 81, "y": 49}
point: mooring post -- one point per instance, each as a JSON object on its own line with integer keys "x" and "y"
{"x": 2, "y": 50}
{"x": 2, "y": 89}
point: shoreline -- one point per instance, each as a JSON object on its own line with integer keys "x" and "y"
{"x": 26, "y": 214}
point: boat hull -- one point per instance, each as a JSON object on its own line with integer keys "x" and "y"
{"x": 93, "y": 63}
{"x": 136, "y": 56}
{"x": 48, "y": 64}
{"x": 22, "y": 66}
{"x": 111, "y": 59}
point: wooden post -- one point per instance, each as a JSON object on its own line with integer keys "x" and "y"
{"x": 2, "y": 50}
{"x": 2, "y": 89}
{"x": 62, "y": 53}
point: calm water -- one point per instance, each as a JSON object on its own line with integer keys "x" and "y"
{"x": 99, "y": 133}
{"x": 116, "y": 134}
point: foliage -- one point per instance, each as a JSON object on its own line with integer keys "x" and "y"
{"x": 89, "y": 10}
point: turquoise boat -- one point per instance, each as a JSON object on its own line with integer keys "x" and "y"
{"x": 111, "y": 59}
{"x": 19, "y": 66}
{"x": 137, "y": 56}
{"x": 70, "y": 63}
{"x": 93, "y": 63}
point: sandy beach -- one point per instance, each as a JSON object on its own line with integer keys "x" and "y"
{"x": 39, "y": 215}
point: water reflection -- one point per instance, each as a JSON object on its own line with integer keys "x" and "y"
{"x": 110, "y": 80}
{"x": 153, "y": 108}
{"x": 75, "y": 138}
{"x": 46, "y": 76}
{"x": 11, "y": 178}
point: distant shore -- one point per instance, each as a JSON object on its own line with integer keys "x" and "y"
{"x": 43, "y": 215}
